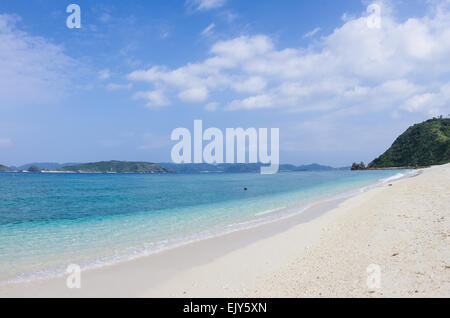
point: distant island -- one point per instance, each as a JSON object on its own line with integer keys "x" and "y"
{"x": 117, "y": 167}
{"x": 421, "y": 145}
{"x": 5, "y": 169}
{"x": 44, "y": 165}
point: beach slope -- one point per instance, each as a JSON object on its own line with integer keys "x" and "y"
{"x": 391, "y": 241}
{"x": 400, "y": 231}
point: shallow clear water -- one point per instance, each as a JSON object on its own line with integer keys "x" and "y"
{"x": 48, "y": 221}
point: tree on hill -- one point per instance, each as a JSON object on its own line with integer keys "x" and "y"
{"x": 34, "y": 169}
{"x": 423, "y": 144}
{"x": 117, "y": 167}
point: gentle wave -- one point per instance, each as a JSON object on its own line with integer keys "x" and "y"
{"x": 399, "y": 176}
{"x": 132, "y": 253}
{"x": 269, "y": 211}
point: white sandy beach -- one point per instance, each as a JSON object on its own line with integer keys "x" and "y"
{"x": 404, "y": 229}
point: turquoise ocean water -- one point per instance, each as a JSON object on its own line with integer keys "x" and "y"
{"x": 48, "y": 221}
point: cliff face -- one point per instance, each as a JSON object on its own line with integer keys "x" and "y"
{"x": 423, "y": 144}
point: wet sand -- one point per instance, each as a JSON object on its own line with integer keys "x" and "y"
{"x": 403, "y": 229}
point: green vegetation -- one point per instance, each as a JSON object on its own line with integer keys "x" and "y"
{"x": 34, "y": 169}
{"x": 4, "y": 169}
{"x": 45, "y": 165}
{"x": 423, "y": 144}
{"x": 117, "y": 167}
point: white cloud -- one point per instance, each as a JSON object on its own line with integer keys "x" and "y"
{"x": 357, "y": 68}
{"x": 118, "y": 87}
{"x": 193, "y": 95}
{"x": 208, "y": 30}
{"x": 252, "y": 102}
{"x": 418, "y": 102}
{"x": 243, "y": 48}
{"x": 311, "y": 33}
{"x": 154, "y": 99}
{"x": 5, "y": 142}
{"x": 204, "y": 5}
{"x": 211, "y": 107}
{"x": 105, "y": 17}
{"x": 164, "y": 34}
{"x": 253, "y": 84}
{"x": 104, "y": 74}
{"x": 32, "y": 69}
{"x": 432, "y": 103}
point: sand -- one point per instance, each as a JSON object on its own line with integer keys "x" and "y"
{"x": 396, "y": 238}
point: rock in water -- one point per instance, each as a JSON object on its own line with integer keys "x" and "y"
{"x": 358, "y": 166}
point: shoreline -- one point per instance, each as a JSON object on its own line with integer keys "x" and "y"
{"x": 292, "y": 215}
{"x": 236, "y": 238}
{"x": 192, "y": 270}
{"x": 319, "y": 206}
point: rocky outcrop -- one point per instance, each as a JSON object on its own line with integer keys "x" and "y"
{"x": 358, "y": 166}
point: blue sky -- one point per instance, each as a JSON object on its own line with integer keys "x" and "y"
{"x": 115, "y": 89}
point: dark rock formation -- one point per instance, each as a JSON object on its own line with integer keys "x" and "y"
{"x": 358, "y": 166}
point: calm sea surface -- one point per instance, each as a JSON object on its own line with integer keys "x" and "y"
{"x": 48, "y": 221}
